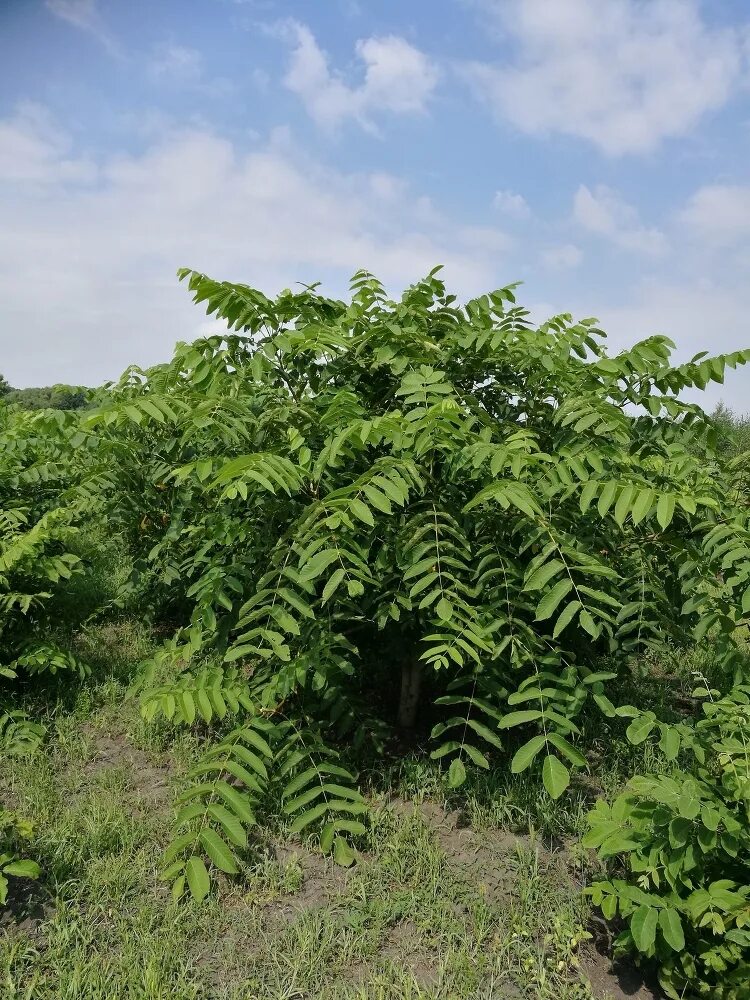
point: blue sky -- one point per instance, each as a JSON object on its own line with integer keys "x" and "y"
{"x": 597, "y": 150}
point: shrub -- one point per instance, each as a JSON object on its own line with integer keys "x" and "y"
{"x": 40, "y": 509}
{"x": 684, "y": 842}
{"x": 733, "y": 429}
{"x": 42, "y": 501}
{"x": 351, "y": 508}
{"x": 12, "y": 829}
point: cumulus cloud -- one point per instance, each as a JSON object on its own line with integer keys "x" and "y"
{"x": 698, "y": 315}
{"x": 512, "y": 204}
{"x": 398, "y": 78}
{"x": 562, "y": 257}
{"x": 177, "y": 62}
{"x": 486, "y": 240}
{"x": 34, "y": 151}
{"x": 622, "y": 74}
{"x": 719, "y": 214}
{"x": 603, "y": 212}
{"x": 87, "y": 272}
{"x": 183, "y": 67}
{"x": 389, "y": 187}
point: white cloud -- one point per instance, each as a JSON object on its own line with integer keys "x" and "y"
{"x": 512, "y": 204}
{"x": 604, "y": 213}
{"x": 387, "y": 187}
{"x": 34, "y": 151}
{"x": 622, "y": 74}
{"x": 698, "y": 316}
{"x": 719, "y": 214}
{"x": 398, "y": 79}
{"x": 81, "y": 13}
{"x": 181, "y": 66}
{"x": 486, "y": 240}
{"x": 177, "y": 62}
{"x": 562, "y": 257}
{"x": 84, "y": 14}
{"x": 87, "y": 281}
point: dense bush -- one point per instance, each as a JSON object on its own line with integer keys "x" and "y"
{"x": 678, "y": 842}
{"x": 40, "y": 510}
{"x": 367, "y": 517}
{"x": 685, "y": 838}
{"x": 55, "y": 397}
{"x": 733, "y": 431}
{"x": 340, "y": 497}
{"x": 41, "y": 506}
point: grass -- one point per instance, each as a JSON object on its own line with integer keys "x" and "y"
{"x": 477, "y": 895}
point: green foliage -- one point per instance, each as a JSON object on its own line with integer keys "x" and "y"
{"x": 341, "y": 513}
{"x": 19, "y": 734}
{"x": 56, "y": 397}
{"x": 206, "y": 694}
{"x": 733, "y": 431}
{"x": 39, "y": 514}
{"x": 42, "y": 503}
{"x": 217, "y": 809}
{"x": 12, "y": 829}
{"x": 336, "y": 500}
{"x": 254, "y": 763}
{"x": 682, "y": 844}
{"x": 316, "y": 788}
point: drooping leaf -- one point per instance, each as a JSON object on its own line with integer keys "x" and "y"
{"x": 218, "y": 852}
{"x": 198, "y": 880}
{"x": 456, "y": 773}
{"x": 524, "y": 756}
{"x": 555, "y": 775}
{"x": 670, "y": 925}
{"x": 551, "y": 600}
{"x": 643, "y": 927}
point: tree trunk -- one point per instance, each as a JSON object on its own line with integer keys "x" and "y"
{"x": 411, "y": 683}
